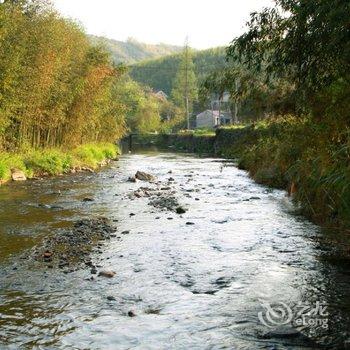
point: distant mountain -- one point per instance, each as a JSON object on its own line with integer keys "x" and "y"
{"x": 132, "y": 51}
{"x": 160, "y": 73}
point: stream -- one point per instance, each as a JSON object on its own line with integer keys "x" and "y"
{"x": 240, "y": 269}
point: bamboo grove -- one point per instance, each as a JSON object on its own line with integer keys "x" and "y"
{"x": 56, "y": 89}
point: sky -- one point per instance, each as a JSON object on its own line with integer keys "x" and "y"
{"x": 205, "y": 23}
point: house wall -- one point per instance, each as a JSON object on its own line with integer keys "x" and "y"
{"x": 205, "y": 120}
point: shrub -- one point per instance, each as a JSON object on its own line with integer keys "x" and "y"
{"x": 52, "y": 162}
{"x": 92, "y": 154}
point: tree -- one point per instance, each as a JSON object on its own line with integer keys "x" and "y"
{"x": 141, "y": 106}
{"x": 304, "y": 42}
{"x": 56, "y": 89}
{"x": 185, "y": 91}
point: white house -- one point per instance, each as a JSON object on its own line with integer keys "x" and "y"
{"x": 212, "y": 119}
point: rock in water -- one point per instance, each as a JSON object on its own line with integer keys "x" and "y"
{"x": 180, "y": 210}
{"x": 18, "y": 175}
{"x": 108, "y": 274}
{"x": 140, "y": 175}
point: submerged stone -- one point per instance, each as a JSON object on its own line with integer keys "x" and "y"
{"x": 141, "y": 175}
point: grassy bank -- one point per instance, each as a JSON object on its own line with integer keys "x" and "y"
{"x": 55, "y": 161}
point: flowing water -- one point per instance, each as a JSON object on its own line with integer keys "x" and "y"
{"x": 204, "y": 285}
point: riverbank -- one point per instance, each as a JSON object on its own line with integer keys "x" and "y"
{"x": 310, "y": 161}
{"x": 55, "y": 161}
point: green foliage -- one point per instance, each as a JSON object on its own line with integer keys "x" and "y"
{"x": 254, "y": 96}
{"x": 303, "y": 42}
{"x": 160, "y": 74}
{"x": 3, "y": 171}
{"x": 55, "y": 161}
{"x": 133, "y": 51}
{"x": 173, "y": 117}
{"x": 204, "y": 132}
{"x": 185, "y": 84}
{"x": 142, "y": 107}
{"x": 91, "y": 154}
{"x": 50, "y": 161}
{"x": 55, "y": 87}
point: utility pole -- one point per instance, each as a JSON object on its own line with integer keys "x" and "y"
{"x": 236, "y": 102}
{"x": 186, "y": 85}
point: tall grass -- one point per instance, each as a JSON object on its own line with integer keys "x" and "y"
{"x": 55, "y": 161}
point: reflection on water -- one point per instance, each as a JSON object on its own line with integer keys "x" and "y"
{"x": 194, "y": 286}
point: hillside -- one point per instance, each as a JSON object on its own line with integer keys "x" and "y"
{"x": 132, "y": 51}
{"x": 160, "y": 73}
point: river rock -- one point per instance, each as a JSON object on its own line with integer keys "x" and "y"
{"x": 103, "y": 163}
{"x": 85, "y": 168}
{"x": 138, "y": 194}
{"x": 180, "y": 210}
{"x": 132, "y": 179}
{"x": 141, "y": 175}
{"x": 47, "y": 255}
{"x": 18, "y": 175}
{"x": 107, "y": 274}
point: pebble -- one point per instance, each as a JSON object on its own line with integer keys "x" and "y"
{"x": 107, "y": 274}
